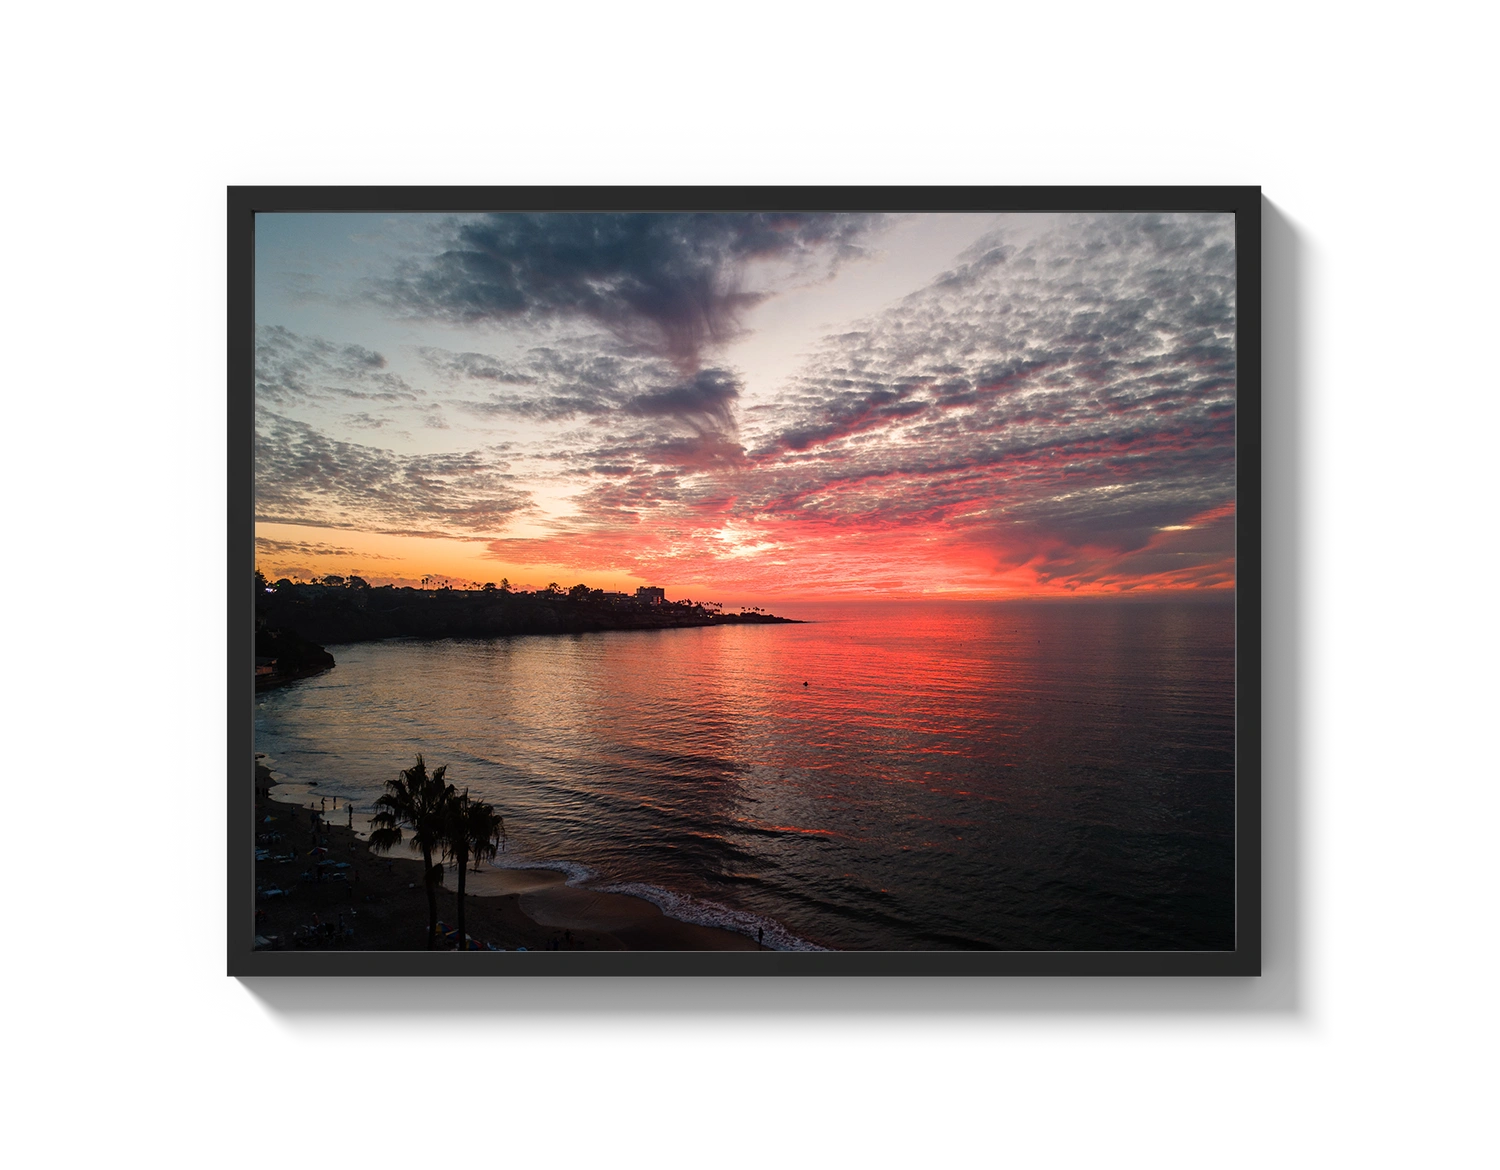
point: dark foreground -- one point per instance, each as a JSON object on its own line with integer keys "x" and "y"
{"x": 377, "y": 903}
{"x": 329, "y": 614}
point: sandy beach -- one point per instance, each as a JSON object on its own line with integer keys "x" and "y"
{"x": 373, "y": 903}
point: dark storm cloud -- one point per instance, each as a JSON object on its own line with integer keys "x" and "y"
{"x": 651, "y": 456}
{"x": 860, "y": 409}
{"x": 589, "y": 376}
{"x": 670, "y": 284}
{"x": 291, "y": 370}
{"x": 705, "y": 402}
{"x": 305, "y": 477}
{"x": 592, "y": 378}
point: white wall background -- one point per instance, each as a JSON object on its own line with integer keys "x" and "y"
{"x": 108, "y": 104}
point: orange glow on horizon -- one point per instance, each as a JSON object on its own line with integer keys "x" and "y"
{"x": 790, "y": 559}
{"x": 1022, "y": 407}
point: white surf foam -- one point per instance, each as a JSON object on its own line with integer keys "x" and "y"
{"x": 701, "y": 912}
{"x": 577, "y": 872}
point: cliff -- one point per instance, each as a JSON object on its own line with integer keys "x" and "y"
{"x": 282, "y": 654}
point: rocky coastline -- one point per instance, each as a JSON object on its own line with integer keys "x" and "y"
{"x": 321, "y": 615}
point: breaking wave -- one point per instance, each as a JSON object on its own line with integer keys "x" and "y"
{"x": 700, "y": 912}
{"x": 577, "y": 872}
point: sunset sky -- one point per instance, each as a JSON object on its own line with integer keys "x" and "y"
{"x": 748, "y": 407}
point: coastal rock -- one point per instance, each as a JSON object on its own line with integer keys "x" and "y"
{"x": 282, "y": 655}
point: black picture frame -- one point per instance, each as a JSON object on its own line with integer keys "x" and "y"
{"x": 1128, "y": 1002}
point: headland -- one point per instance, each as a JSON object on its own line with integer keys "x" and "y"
{"x": 332, "y": 613}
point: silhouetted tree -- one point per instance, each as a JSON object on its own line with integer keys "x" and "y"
{"x": 472, "y": 832}
{"x": 418, "y": 802}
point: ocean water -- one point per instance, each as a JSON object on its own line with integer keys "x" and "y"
{"x": 892, "y": 775}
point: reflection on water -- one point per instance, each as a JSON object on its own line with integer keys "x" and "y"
{"x": 894, "y": 775}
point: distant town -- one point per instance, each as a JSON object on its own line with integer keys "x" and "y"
{"x": 295, "y": 620}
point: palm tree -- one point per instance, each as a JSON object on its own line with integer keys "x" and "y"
{"x": 419, "y": 802}
{"x": 473, "y": 831}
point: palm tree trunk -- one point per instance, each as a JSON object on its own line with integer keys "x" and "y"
{"x": 431, "y": 900}
{"x": 462, "y": 867}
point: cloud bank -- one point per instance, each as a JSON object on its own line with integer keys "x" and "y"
{"x": 665, "y": 284}
{"x": 1056, "y": 412}
{"x": 303, "y": 477}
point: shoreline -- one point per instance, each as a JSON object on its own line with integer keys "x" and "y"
{"x": 365, "y": 901}
{"x": 309, "y": 617}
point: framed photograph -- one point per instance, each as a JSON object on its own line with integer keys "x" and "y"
{"x": 783, "y": 581}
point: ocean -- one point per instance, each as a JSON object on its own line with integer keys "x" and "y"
{"x": 1054, "y": 775}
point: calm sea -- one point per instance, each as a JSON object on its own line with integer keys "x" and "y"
{"x": 893, "y": 775}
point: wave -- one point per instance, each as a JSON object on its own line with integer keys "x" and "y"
{"x": 701, "y": 912}
{"x": 577, "y": 872}
{"x": 682, "y": 907}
